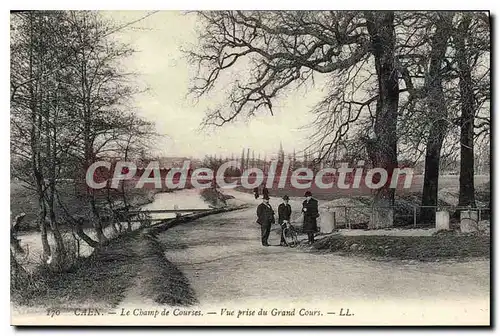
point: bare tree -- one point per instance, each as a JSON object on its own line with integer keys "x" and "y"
{"x": 68, "y": 108}
{"x": 420, "y": 58}
{"x": 471, "y": 41}
{"x": 100, "y": 90}
{"x": 285, "y": 50}
{"x": 36, "y": 66}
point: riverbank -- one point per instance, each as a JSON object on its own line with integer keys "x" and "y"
{"x": 186, "y": 198}
{"x": 131, "y": 265}
{"x": 220, "y": 259}
{"x": 25, "y": 200}
{"x": 104, "y": 279}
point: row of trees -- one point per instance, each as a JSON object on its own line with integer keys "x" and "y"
{"x": 69, "y": 108}
{"x": 249, "y": 160}
{"x": 400, "y": 85}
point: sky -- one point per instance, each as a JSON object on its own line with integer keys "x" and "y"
{"x": 161, "y": 66}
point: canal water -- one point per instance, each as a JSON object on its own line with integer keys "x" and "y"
{"x": 181, "y": 199}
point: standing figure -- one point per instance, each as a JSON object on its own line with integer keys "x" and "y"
{"x": 311, "y": 213}
{"x": 256, "y": 192}
{"x": 284, "y": 215}
{"x": 265, "y": 217}
{"x": 265, "y": 192}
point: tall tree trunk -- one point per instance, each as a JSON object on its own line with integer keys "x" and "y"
{"x": 431, "y": 172}
{"x": 79, "y": 231}
{"x": 113, "y": 220}
{"x": 77, "y": 226}
{"x": 126, "y": 204}
{"x": 97, "y": 220}
{"x": 58, "y": 252}
{"x": 49, "y": 122}
{"x": 466, "y": 192}
{"x": 35, "y": 141}
{"x": 18, "y": 275}
{"x": 89, "y": 148}
{"x": 382, "y": 149}
{"x": 42, "y": 215}
{"x": 437, "y": 113}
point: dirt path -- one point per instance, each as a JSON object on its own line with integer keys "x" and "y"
{"x": 222, "y": 260}
{"x": 222, "y": 257}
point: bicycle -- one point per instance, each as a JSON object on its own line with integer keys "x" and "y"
{"x": 290, "y": 234}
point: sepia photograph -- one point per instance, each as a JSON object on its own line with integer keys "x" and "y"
{"x": 250, "y": 168}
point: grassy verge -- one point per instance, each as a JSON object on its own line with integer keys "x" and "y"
{"x": 99, "y": 280}
{"x": 102, "y": 279}
{"x": 214, "y": 197}
{"x": 429, "y": 248}
{"x": 162, "y": 281}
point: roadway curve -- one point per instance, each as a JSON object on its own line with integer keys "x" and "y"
{"x": 222, "y": 257}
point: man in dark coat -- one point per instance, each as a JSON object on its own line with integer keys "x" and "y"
{"x": 265, "y": 192}
{"x": 256, "y": 192}
{"x": 311, "y": 213}
{"x": 284, "y": 214}
{"x": 265, "y": 217}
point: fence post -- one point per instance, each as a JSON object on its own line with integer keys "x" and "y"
{"x": 334, "y": 220}
{"x": 347, "y": 218}
{"x": 414, "y": 216}
{"x": 478, "y": 214}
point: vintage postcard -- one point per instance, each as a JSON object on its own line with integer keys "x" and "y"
{"x": 250, "y": 168}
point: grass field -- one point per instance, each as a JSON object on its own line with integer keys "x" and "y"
{"x": 442, "y": 245}
{"x": 445, "y": 182}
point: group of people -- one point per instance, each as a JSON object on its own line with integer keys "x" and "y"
{"x": 265, "y": 217}
{"x": 265, "y": 192}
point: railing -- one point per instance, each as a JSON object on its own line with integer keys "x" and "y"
{"x": 143, "y": 216}
{"x": 343, "y": 215}
{"x": 160, "y": 211}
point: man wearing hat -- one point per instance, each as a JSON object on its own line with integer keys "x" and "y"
{"x": 265, "y": 217}
{"x": 311, "y": 213}
{"x": 284, "y": 214}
